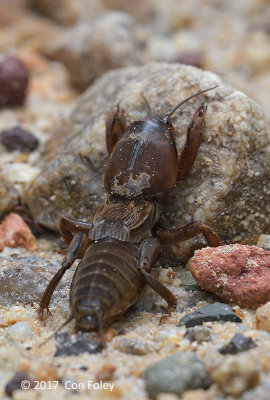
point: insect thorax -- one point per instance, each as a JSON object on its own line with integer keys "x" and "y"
{"x": 126, "y": 220}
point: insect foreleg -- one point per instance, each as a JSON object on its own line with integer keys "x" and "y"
{"x": 115, "y": 128}
{"x": 193, "y": 140}
{"x": 149, "y": 254}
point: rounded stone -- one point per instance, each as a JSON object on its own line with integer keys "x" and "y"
{"x": 263, "y": 317}
{"x": 235, "y": 273}
{"x": 237, "y": 374}
{"x": 19, "y": 330}
{"x": 13, "y": 81}
{"x": 233, "y": 162}
{"x": 175, "y": 374}
{"x": 19, "y": 139}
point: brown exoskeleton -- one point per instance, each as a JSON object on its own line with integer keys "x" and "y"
{"x": 122, "y": 244}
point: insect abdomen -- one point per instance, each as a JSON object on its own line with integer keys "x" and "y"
{"x": 106, "y": 280}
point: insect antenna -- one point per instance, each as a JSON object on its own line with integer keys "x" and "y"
{"x": 149, "y": 110}
{"x": 100, "y": 328}
{"x": 67, "y": 321}
{"x": 167, "y": 116}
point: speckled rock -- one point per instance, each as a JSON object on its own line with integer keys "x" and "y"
{"x": 134, "y": 345}
{"x": 232, "y": 163}
{"x": 24, "y": 278}
{"x": 235, "y": 273}
{"x": 175, "y": 374}
{"x": 211, "y": 312}
{"x": 89, "y": 49}
{"x": 237, "y": 374}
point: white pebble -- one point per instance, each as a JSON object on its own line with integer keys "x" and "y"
{"x": 19, "y": 330}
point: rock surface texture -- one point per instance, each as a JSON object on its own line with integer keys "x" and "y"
{"x": 236, "y": 273}
{"x": 233, "y": 163}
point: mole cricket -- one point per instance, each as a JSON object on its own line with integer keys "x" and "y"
{"x": 123, "y": 242}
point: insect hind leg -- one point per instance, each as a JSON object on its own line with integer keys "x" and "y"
{"x": 76, "y": 247}
{"x": 149, "y": 254}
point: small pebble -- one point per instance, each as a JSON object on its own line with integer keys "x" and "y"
{"x": 212, "y": 312}
{"x": 189, "y": 283}
{"x": 264, "y": 242}
{"x": 238, "y": 344}
{"x": 134, "y": 345}
{"x": 13, "y": 81}
{"x": 263, "y": 317}
{"x": 175, "y": 374}
{"x": 19, "y": 330}
{"x": 199, "y": 334}
{"x": 76, "y": 344}
{"x": 237, "y": 374}
{"x": 19, "y": 139}
{"x": 16, "y": 383}
{"x": 19, "y": 172}
{"x": 106, "y": 372}
{"x": 14, "y": 232}
{"x": 83, "y": 368}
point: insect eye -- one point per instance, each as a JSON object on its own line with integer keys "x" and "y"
{"x": 167, "y": 120}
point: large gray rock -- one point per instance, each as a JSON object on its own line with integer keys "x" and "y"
{"x": 228, "y": 187}
{"x": 24, "y": 278}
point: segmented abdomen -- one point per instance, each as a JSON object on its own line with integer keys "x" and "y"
{"x": 107, "y": 277}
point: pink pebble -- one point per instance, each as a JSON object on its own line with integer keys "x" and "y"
{"x": 235, "y": 273}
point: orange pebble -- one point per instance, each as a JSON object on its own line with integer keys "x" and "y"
{"x": 106, "y": 372}
{"x": 14, "y": 232}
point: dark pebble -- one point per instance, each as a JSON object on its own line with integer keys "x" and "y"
{"x": 16, "y": 383}
{"x": 77, "y": 344}
{"x": 13, "y": 81}
{"x": 175, "y": 374}
{"x": 238, "y": 344}
{"x": 83, "y": 368}
{"x": 212, "y": 312}
{"x": 20, "y": 139}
